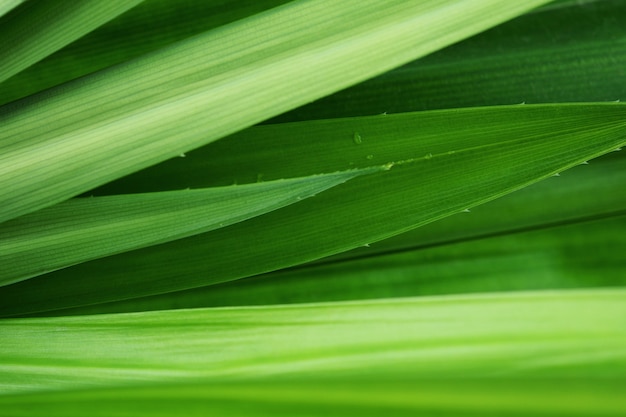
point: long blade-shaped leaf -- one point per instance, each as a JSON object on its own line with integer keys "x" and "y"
{"x": 572, "y": 54}
{"x": 38, "y": 28}
{"x": 368, "y": 396}
{"x": 544, "y": 230}
{"x": 78, "y": 230}
{"x": 483, "y": 154}
{"x": 556, "y": 201}
{"x": 157, "y": 23}
{"x": 580, "y": 255}
{"x": 552, "y": 334}
{"x": 197, "y": 91}
{"x": 151, "y": 25}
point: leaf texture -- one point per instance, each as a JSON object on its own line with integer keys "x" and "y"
{"x": 82, "y": 229}
{"x": 574, "y": 335}
{"x": 484, "y": 154}
{"x": 39, "y": 28}
{"x": 136, "y": 114}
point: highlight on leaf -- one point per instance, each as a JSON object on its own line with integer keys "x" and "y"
{"x": 312, "y": 207}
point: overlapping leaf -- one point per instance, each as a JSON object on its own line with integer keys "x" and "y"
{"x": 593, "y": 30}
{"x": 565, "y": 54}
{"x": 548, "y": 353}
{"x": 546, "y": 259}
{"x": 483, "y": 154}
{"x": 542, "y": 237}
{"x": 151, "y": 25}
{"x": 79, "y": 230}
{"x": 153, "y": 108}
{"x": 39, "y": 28}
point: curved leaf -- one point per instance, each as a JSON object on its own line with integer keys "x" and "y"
{"x": 545, "y": 221}
{"x": 567, "y": 54}
{"x": 78, "y": 230}
{"x": 151, "y": 25}
{"x": 483, "y": 154}
{"x": 136, "y": 114}
{"x": 38, "y": 28}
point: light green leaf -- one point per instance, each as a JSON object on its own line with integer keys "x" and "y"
{"x": 551, "y": 353}
{"x": 7, "y": 5}
{"x": 366, "y": 396}
{"x": 78, "y": 230}
{"x": 153, "y": 108}
{"x": 156, "y": 23}
{"x": 40, "y": 27}
{"x": 483, "y": 154}
{"x": 559, "y": 334}
{"x": 151, "y": 25}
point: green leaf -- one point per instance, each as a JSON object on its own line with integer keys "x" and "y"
{"x": 483, "y": 154}
{"x": 153, "y": 108}
{"x": 567, "y": 54}
{"x": 587, "y": 254}
{"x": 38, "y": 28}
{"x": 583, "y": 41}
{"x": 580, "y": 255}
{"x": 577, "y": 335}
{"x": 368, "y": 396}
{"x": 542, "y": 237}
{"x": 549, "y": 353}
{"x": 151, "y": 25}
{"x": 550, "y": 203}
{"x": 78, "y": 230}
{"x": 7, "y": 5}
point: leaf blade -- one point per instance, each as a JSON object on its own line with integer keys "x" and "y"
{"x": 365, "y": 396}
{"x": 79, "y": 230}
{"x": 557, "y": 334}
{"x": 120, "y": 120}
{"x": 477, "y": 149}
{"x": 58, "y": 23}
